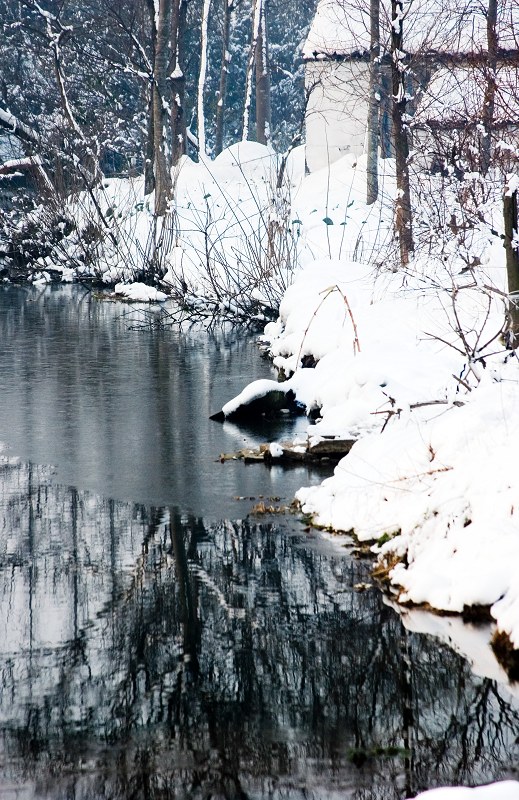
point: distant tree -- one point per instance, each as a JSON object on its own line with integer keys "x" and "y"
{"x": 258, "y": 67}
{"x": 161, "y": 17}
{"x": 202, "y": 75}
{"x": 60, "y": 84}
{"x": 256, "y": 15}
{"x": 491, "y": 86}
{"x": 178, "y": 81}
{"x": 403, "y": 212}
{"x": 263, "y": 108}
{"x": 374, "y": 103}
{"x": 228, "y": 7}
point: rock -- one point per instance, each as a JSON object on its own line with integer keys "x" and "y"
{"x": 331, "y": 448}
{"x": 260, "y": 398}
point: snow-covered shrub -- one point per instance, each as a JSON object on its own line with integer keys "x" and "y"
{"x": 235, "y": 249}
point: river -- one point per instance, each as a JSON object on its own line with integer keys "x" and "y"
{"x": 160, "y": 639}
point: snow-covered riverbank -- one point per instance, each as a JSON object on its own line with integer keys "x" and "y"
{"x": 431, "y": 480}
{"x": 412, "y": 364}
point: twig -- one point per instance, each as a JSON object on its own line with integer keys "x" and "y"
{"x": 328, "y": 293}
{"x": 356, "y": 343}
{"x": 462, "y": 382}
{"x": 423, "y": 474}
{"x": 391, "y": 412}
{"x": 444, "y": 341}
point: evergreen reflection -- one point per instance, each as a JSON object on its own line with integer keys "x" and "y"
{"x": 147, "y": 654}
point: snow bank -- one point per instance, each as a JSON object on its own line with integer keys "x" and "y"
{"x": 505, "y": 790}
{"x": 368, "y": 340}
{"x": 472, "y": 641}
{"x": 431, "y": 478}
{"x": 139, "y": 292}
{"x": 443, "y": 489}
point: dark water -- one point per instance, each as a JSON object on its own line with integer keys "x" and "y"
{"x": 124, "y": 413}
{"x": 167, "y": 643}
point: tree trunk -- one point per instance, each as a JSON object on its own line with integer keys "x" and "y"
{"x": 250, "y": 67}
{"x": 149, "y": 152}
{"x": 228, "y": 6}
{"x": 263, "y": 110}
{"x": 374, "y": 103}
{"x": 202, "y": 78}
{"x": 162, "y": 169}
{"x": 178, "y": 81}
{"x": 487, "y": 116}
{"x": 511, "y": 216}
{"x": 403, "y": 215}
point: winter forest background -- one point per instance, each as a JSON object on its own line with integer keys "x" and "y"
{"x": 102, "y": 89}
{"x": 78, "y": 77}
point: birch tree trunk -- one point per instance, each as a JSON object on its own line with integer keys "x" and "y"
{"x": 403, "y": 214}
{"x": 202, "y": 78}
{"x": 374, "y": 104}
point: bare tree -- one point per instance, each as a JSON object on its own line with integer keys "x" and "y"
{"x": 160, "y": 17}
{"x": 202, "y": 75}
{"x": 258, "y": 63}
{"x": 55, "y": 33}
{"x": 250, "y": 69}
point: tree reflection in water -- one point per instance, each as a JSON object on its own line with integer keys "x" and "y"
{"x": 147, "y": 654}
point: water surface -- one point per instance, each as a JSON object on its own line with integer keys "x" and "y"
{"x": 160, "y": 640}
{"x": 125, "y": 413}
